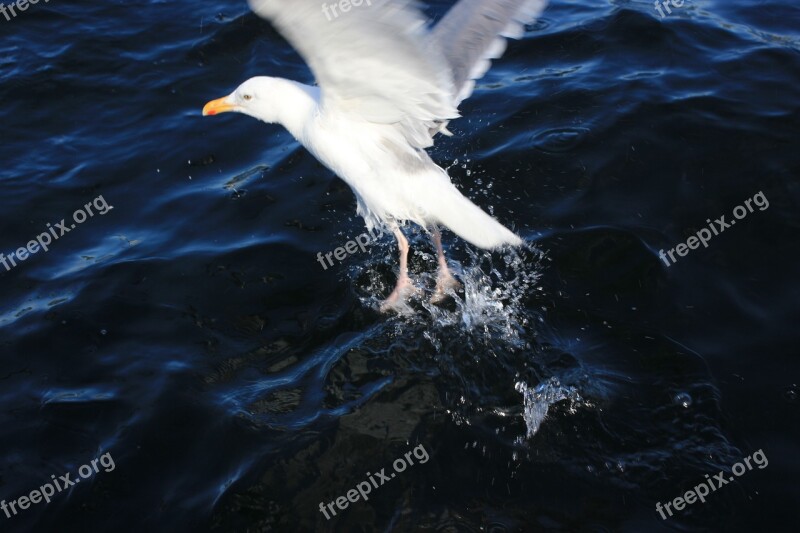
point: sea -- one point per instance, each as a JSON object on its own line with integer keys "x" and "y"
{"x": 176, "y": 358}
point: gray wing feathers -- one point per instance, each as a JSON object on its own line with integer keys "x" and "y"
{"x": 380, "y": 62}
{"x": 474, "y": 32}
{"x": 372, "y": 61}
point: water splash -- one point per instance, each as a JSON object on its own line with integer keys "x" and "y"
{"x": 491, "y": 307}
{"x": 486, "y": 330}
{"x": 537, "y": 401}
{"x": 683, "y": 399}
{"x": 493, "y": 303}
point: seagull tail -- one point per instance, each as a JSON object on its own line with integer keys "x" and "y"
{"x": 453, "y": 210}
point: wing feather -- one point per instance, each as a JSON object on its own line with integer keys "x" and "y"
{"x": 380, "y": 62}
{"x": 374, "y": 61}
{"x": 474, "y": 32}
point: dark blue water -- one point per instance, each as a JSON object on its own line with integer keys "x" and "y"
{"x": 190, "y": 332}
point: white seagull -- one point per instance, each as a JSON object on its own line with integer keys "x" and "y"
{"x": 387, "y": 83}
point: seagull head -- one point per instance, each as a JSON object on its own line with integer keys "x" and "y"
{"x": 252, "y": 97}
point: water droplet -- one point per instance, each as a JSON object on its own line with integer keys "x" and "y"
{"x": 790, "y": 394}
{"x": 683, "y": 399}
{"x": 538, "y": 401}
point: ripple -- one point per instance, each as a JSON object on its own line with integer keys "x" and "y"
{"x": 559, "y": 140}
{"x": 85, "y": 395}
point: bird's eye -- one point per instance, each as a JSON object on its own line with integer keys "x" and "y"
{"x": 247, "y": 97}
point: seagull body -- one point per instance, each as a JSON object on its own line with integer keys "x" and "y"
{"x": 387, "y": 86}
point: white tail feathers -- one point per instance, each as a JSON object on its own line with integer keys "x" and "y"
{"x": 453, "y": 210}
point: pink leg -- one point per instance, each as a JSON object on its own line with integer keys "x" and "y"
{"x": 397, "y": 300}
{"x": 444, "y": 280}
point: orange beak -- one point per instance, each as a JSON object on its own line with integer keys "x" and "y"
{"x": 220, "y": 105}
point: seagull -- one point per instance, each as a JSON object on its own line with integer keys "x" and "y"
{"x": 386, "y": 84}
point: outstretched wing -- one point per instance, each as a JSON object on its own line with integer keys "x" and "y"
{"x": 375, "y": 61}
{"x": 474, "y": 32}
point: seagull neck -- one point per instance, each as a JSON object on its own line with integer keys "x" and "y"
{"x": 298, "y": 103}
